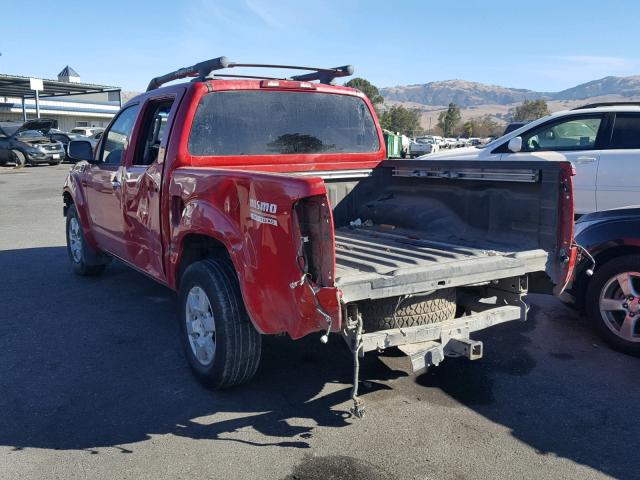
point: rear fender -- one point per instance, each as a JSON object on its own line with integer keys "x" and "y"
{"x": 252, "y": 215}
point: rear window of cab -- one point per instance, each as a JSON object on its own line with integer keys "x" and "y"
{"x": 258, "y": 122}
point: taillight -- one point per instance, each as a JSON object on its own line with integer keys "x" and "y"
{"x": 315, "y": 239}
{"x": 566, "y": 253}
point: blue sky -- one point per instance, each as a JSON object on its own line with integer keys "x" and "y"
{"x": 541, "y": 45}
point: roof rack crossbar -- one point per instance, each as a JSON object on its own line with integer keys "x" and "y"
{"x": 606, "y": 104}
{"x": 202, "y": 69}
{"x": 324, "y": 75}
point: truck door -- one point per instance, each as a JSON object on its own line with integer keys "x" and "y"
{"x": 575, "y": 138}
{"x": 619, "y": 169}
{"x": 103, "y": 182}
{"x": 141, "y": 187}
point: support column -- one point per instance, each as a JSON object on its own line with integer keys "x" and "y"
{"x": 37, "y": 105}
{"x": 24, "y": 110}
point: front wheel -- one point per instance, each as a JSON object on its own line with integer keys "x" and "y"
{"x": 613, "y": 303}
{"x": 19, "y": 158}
{"x": 77, "y": 247}
{"x": 220, "y": 342}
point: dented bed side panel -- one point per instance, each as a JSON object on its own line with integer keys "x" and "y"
{"x": 251, "y": 214}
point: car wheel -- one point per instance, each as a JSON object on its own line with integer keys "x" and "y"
{"x": 613, "y": 303}
{"x": 220, "y": 342}
{"x": 19, "y": 158}
{"x": 77, "y": 247}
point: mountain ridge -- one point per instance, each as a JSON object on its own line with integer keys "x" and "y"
{"x": 467, "y": 93}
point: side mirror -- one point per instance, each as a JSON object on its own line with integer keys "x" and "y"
{"x": 515, "y": 144}
{"x": 79, "y": 150}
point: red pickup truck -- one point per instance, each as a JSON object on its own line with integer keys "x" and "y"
{"x": 269, "y": 206}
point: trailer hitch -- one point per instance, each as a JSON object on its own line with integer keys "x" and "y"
{"x": 358, "y": 409}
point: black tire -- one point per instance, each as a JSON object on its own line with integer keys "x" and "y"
{"x": 602, "y": 276}
{"x": 435, "y": 307}
{"x": 238, "y": 344}
{"x": 19, "y": 158}
{"x": 81, "y": 264}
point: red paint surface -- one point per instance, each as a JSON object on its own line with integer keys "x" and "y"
{"x": 564, "y": 271}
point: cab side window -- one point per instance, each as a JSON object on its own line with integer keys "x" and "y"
{"x": 117, "y": 137}
{"x": 155, "y": 130}
{"x": 626, "y": 131}
{"x": 573, "y": 134}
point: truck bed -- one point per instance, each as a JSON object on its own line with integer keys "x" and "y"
{"x": 376, "y": 262}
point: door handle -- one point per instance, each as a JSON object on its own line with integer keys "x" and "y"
{"x": 585, "y": 159}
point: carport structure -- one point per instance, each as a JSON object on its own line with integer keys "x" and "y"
{"x": 21, "y": 87}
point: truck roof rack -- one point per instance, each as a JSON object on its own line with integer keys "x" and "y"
{"x": 203, "y": 69}
{"x": 607, "y": 104}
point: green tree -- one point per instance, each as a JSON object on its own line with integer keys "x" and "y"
{"x": 530, "y": 110}
{"x": 488, "y": 127}
{"x": 368, "y": 89}
{"x": 468, "y": 128}
{"x": 400, "y": 119}
{"x": 449, "y": 119}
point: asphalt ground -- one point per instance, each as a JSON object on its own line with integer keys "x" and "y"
{"x": 93, "y": 384}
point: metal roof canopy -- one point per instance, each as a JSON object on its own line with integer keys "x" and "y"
{"x": 19, "y": 86}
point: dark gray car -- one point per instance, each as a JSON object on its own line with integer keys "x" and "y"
{"x": 29, "y": 143}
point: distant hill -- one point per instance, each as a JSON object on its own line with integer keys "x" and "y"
{"x": 460, "y": 92}
{"x": 466, "y": 94}
{"x": 624, "y": 86}
{"x": 478, "y": 99}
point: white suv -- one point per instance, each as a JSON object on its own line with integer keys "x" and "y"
{"x": 601, "y": 140}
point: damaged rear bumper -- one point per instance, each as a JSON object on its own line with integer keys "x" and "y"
{"x": 427, "y": 345}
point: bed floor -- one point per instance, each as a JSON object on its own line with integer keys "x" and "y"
{"x": 372, "y": 262}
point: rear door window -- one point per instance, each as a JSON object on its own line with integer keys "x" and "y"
{"x": 155, "y": 128}
{"x": 569, "y": 134}
{"x": 626, "y": 131}
{"x": 269, "y": 123}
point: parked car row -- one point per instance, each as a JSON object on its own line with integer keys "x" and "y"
{"x": 433, "y": 143}
{"x": 35, "y": 142}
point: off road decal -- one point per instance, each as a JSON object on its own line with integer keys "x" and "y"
{"x": 263, "y": 212}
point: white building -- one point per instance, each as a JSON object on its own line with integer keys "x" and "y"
{"x": 66, "y": 100}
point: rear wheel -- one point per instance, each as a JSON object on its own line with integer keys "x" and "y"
{"x": 398, "y": 312}
{"x": 613, "y": 303}
{"x": 19, "y": 158}
{"x": 221, "y": 344}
